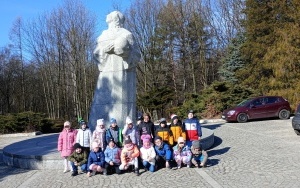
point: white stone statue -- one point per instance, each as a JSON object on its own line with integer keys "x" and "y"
{"x": 117, "y": 56}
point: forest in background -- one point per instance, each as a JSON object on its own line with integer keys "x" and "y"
{"x": 205, "y": 55}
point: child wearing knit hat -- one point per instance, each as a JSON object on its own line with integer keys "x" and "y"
{"x": 182, "y": 153}
{"x": 177, "y": 128}
{"x": 199, "y": 156}
{"x": 96, "y": 160}
{"x": 163, "y": 153}
{"x": 130, "y": 130}
{"x": 112, "y": 157}
{"x": 78, "y": 159}
{"x": 99, "y": 134}
{"x": 66, "y": 140}
{"x": 115, "y": 132}
{"x": 164, "y": 132}
{"x": 148, "y": 154}
{"x": 129, "y": 156}
{"x": 84, "y": 136}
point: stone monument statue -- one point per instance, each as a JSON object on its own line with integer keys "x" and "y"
{"x": 117, "y": 56}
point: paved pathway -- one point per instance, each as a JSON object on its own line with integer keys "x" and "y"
{"x": 254, "y": 154}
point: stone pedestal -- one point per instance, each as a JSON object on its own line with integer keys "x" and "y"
{"x": 115, "y": 94}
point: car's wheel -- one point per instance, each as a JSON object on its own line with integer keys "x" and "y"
{"x": 242, "y": 118}
{"x": 297, "y": 131}
{"x": 284, "y": 114}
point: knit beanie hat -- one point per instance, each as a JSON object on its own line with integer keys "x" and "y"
{"x": 127, "y": 140}
{"x": 146, "y": 140}
{"x": 174, "y": 116}
{"x": 128, "y": 120}
{"x": 77, "y": 145}
{"x": 100, "y": 122}
{"x": 157, "y": 137}
{"x": 163, "y": 120}
{"x": 111, "y": 140}
{"x": 113, "y": 120}
{"x": 67, "y": 123}
{"x": 145, "y": 136}
{"x": 197, "y": 144}
{"x": 95, "y": 144}
{"x": 180, "y": 139}
{"x": 82, "y": 122}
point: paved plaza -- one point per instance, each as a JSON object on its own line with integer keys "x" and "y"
{"x": 253, "y": 154}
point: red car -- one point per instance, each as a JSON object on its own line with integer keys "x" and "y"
{"x": 257, "y": 108}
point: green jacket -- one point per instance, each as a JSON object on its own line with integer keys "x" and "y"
{"x": 80, "y": 158}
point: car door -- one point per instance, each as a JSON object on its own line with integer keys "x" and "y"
{"x": 256, "y": 109}
{"x": 271, "y": 107}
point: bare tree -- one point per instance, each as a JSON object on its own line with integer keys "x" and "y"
{"x": 61, "y": 43}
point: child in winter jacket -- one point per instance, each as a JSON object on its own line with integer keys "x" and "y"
{"x": 129, "y": 156}
{"x": 182, "y": 153}
{"x": 112, "y": 157}
{"x": 114, "y": 132}
{"x": 193, "y": 128}
{"x": 130, "y": 130}
{"x": 163, "y": 153}
{"x": 78, "y": 159}
{"x": 96, "y": 160}
{"x": 65, "y": 143}
{"x": 177, "y": 128}
{"x": 199, "y": 156}
{"x": 148, "y": 154}
{"x": 164, "y": 132}
{"x": 84, "y": 136}
{"x": 99, "y": 134}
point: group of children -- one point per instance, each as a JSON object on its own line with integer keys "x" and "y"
{"x": 114, "y": 150}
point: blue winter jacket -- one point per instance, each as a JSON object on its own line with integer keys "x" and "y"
{"x": 113, "y": 154}
{"x": 164, "y": 151}
{"x": 96, "y": 158}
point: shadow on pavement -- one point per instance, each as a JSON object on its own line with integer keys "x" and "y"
{"x": 213, "y": 126}
{"x": 38, "y": 146}
{"x": 6, "y": 171}
{"x": 212, "y": 162}
{"x": 217, "y": 142}
{"x": 218, "y": 151}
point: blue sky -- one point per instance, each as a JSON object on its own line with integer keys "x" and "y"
{"x": 10, "y": 10}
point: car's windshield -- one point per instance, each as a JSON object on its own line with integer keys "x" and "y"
{"x": 244, "y": 102}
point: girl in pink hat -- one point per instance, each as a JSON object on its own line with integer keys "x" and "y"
{"x": 96, "y": 160}
{"x": 148, "y": 154}
{"x": 66, "y": 140}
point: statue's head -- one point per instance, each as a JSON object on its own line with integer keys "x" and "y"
{"x": 115, "y": 17}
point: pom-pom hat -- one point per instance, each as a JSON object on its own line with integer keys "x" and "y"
{"x": 128, "y": 120}
{"x": 100, "y": 122}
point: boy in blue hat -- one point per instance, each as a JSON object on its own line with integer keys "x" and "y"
{"x": 115, "y": 132}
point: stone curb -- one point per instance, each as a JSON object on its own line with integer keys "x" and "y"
{"x": 21, "y": 134}
{"x": 203, "y": 121}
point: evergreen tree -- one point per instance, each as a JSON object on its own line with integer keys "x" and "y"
{"x": 272, "y": 47}
{"x": 233, "y": 61}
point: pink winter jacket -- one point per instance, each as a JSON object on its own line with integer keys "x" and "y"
{"x": 65, "y": 143}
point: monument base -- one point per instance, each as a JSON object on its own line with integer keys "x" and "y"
{"x": 41, "y": 152}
